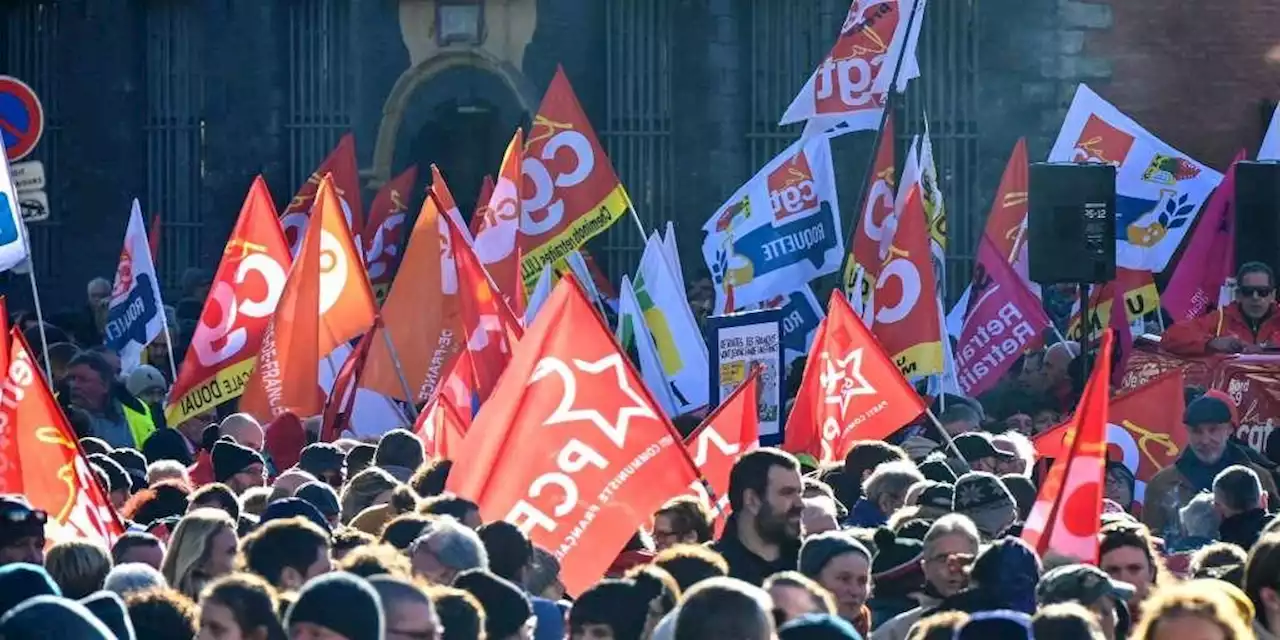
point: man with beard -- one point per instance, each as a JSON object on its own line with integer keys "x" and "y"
{"x": 762, "y": 536}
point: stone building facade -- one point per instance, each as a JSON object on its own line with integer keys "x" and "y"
{"x": 182, "y": 102}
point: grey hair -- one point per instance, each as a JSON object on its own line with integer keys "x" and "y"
{"x": 132, "y": 577}
{"x": 1022, "y": 448}
{"x": 1238, "y": 488}
{"x": 891, "y": 477}
{"x": 1199, "y": 519}
{"x": 953, "y": 524}
{"x": 455, "y": 546}
{"x": 166, "y": 470}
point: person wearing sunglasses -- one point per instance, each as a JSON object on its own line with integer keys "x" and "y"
{"x": 1248, "y": 325}
{"x": 21, "y": 531}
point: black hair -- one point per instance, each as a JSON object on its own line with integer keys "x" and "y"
{"x": 1256, "y": 267}
{"x": 751, "y": 471}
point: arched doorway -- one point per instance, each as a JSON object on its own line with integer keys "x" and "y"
{"x": 457, "y": 110}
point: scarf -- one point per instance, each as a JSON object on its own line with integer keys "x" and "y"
{"x": 1201, "y": 475}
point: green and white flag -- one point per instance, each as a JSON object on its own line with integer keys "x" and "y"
{"x": 635, "y": 338}
{"x": 675, "y": 331}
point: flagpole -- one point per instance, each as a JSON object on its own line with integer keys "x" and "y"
{"x": 884, "y": 117}
{"x": 168, "y": 339}
{"x": 395, "y": 361}
{"x": 950, "y": 444}
{"x": 35, "y": 293}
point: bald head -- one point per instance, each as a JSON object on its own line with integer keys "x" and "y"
{"x": 244, "y": 428}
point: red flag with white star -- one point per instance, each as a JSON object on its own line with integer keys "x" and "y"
{"x": 850, "y": 390}
{"x": 571, "y": 447}
{"x": 727, "y": 434}
{"x": 1067, "y": 513}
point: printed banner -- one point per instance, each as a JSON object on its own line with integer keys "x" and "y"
{"x": 246, "y": 288}
{"x": 851, "y": 84}
{"x": 13, "y": 244}
{"x": 1140, "y": 298}
{"x": 778, "y": 230}
{"x": 135, "y": 314}
{"x": 1159, "y": 190}
{"x": 801, "y": 315}
{"x": 1004, "y": 320}
{"x": 571, "y": 192}
{"x": 749, "y": 344}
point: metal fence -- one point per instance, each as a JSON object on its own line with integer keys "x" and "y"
{"x": 321, "y": 82}
{"x": 174, "y": 133}
{"x": 636, "y": 132}
{"x": 31, "y": 53}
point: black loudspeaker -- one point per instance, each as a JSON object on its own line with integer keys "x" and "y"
{"x": 1071, "y": 223}
{"x": 1258, "y": 212}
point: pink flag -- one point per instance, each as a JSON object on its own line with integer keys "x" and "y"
{"x": 1004, "y": 319}
{"x": 1210, "y": 256}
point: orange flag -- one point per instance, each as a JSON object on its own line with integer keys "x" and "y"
{"x": 727, "y": 434}
{"x": 850, "y": 390}
{"x": 1007, "y": 220}
{"x": 440, "y": 429}
{"x": 248, "y": 285}
{"x": 384, "y": 232}
{"x": 906, "y": 313}
{"x": 55, "y": 476}
{"x": 10, "y": 461}
{"x": 495, "y": 242}
{"x": 864, "y": 243}
{"x": 420, "y": 314}
{"x": 347, "y": 306}
{"x": 572, "y": 447}
{"x": 571, "y": 192}
{"x": 1144, "y": 430}
{"x": 1066, "y": 515}
{"x": 486, "y": 322}
{"x": 341, "y": 165}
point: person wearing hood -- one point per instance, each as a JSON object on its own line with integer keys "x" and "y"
{"x": 53, "y": 618}
{"x": 1210, "y": 422}
{"x": 399, "y": 453}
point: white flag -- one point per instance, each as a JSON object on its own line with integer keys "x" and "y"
{"x": 1270, "y": 149}
{"x": 13, "y": 244}
{"x": 633, "y": 331}
{"x": 135, "y": 314}
{"x": 675, "y": 331}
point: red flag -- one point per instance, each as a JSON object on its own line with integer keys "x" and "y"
{"x": 487, "y": 321}
{"x": 727, "y": 434}
{"x": 10, "y": 460}
{"x": 482, "y": 205}
{"x": 440, "y": 429}
{"x": 341, "y": 165}
{"x": 906, "y": 313}
{"x": 56, "y": 477}
{"x": 1066, "y": 515}
{"x": 849, "y": 385}
{"x": 1209, "y": 257}
{"x": 1004, "y": 319}
{"x": 342, "y": 397}
{"x": 246, "y": 288}
{"x": 864, "y": 241}
{"x": 1144, "y": 431}
{"x": 496, "y": 239}
{"x": 1007, "y": 220}
{"x": 384, "y": 232}
{"x": 572, "y": 447}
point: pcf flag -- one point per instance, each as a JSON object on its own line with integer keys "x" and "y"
{"x": 727, "y": 434}
{"x": 570, "y": 447}
{"x": 135, "y": 314}
{"x": 1004, "y": 320}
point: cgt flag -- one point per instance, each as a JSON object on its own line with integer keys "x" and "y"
{"x": 1004, "y": 320}
{"x": 905, "y": 314}
{"x": 135, "y": 313}
{"x": 571, "y": 448}
{"x": 862, "y": 270}
{"x": 384, "y": 232}
{"x": 248, "y": 285}
{"x": 850, "y": 390}
{"x": 342, "y": 168}
{"x": 1066, "y": 515}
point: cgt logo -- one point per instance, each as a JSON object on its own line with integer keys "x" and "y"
{"x": 1102, "y": 143}
{"x": 845, "y": 78}
{"x": 791, "y": 187}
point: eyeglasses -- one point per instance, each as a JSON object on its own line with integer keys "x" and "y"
{"x": 1255, "y": 292}
{"x": 23, "y": 515}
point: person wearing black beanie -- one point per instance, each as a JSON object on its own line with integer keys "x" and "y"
{"x": 238, "y": 466}
{"x": 898, "y": 576}
{"x": 110, "y": 610}
{"x": 507, "y": 609}
{"x": 119, "y": 483}
{"x": 338, "y": 603}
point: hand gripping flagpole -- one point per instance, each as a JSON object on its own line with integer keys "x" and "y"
{"x": 865, "y": 189}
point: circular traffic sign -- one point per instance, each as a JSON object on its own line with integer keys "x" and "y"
{"x": 21, "y": 118}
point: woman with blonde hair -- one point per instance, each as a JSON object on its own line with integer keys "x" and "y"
{"x": 240, "y": 606}
{"x": 1194, "y": 609}
{"x": 202, "y": 548}
{"x": 367, "y": 488}
{"x": 79, "y": 567}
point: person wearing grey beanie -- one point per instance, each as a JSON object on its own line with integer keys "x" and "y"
{"x": 337, "y": 603}
{"x": 842, "y": 565}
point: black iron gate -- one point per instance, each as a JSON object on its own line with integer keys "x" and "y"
{"x": 320, "y": 81}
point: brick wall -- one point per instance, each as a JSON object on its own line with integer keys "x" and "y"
{"x": 1194, "y": 73}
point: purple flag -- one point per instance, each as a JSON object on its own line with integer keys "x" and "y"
{"x": 1210, "y": 256}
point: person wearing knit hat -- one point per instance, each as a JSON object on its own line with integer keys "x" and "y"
{"x": 399, "y": 453}
{"x": 110, "y": 610}
{"x": 322, "y": 497}
{"x": 935, "y": 500}
{"x": 1210, "y": 449}
{"x": 133, "y": 463}
{"x": 987, "y": 502}
{"x": 238, "y": 466}
{"x": 897, "y": 574}
{"x": 506, "y": 607}
{"x": 119, "y": 483}
{"x": 818, "y": 626}
{"x": 20, "y": 581}
{"x": 50, "y": 617}
{"x": 295, "y": 507}
{"x": 937, "y": 469}
{"x": 842, "y": 565}
{"x": 324, "y": 461}
{"x": 21, "y": 531}
{"x": 147, "y": 384}
{"x": 338, "y": 603}
{"x": 1023, "y": 491}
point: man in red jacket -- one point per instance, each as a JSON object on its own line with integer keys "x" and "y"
{"x": 1245, "y": 326}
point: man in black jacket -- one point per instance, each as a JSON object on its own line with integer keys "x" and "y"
{"x": 762, "y": 536}
{"x": 1239, "y": 499}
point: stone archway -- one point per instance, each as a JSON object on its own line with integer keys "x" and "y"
{"x": 398, "y": 104}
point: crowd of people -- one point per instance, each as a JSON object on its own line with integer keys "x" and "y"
{"x": 238, "y": 529}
